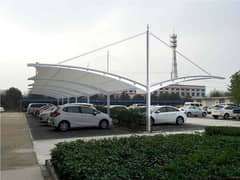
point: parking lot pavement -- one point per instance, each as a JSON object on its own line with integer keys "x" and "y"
{"x": 41, "y": 131}
{"x": 209, "y": 121}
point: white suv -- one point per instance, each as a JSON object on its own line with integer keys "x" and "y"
{"x": 225, "y": 111}
{"x": 75, "y": 115}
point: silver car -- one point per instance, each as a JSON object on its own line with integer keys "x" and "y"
{"x": 194, "y": 111}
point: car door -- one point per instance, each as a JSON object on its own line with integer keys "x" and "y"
{"x": 89, "y": 118}
{"x": 73, "y": 115}
{"x": 172, "y": 114}
{"x": 161, "y": 115}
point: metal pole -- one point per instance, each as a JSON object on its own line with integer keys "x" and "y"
{"x": 88, "y": 99}
{"x": 108, "y": 104}
{"x": 107, "y": 61}
{"x": 62, "y": 100}
{"x": 68, "y": 99}
{"x": 76, "y": 100}
{"x": 148, "y": 95}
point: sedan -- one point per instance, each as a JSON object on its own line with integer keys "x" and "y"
{"x": 194, "y": 111}
{"x": 167, "y": 114}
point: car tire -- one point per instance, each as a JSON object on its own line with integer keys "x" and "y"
{"x": 226, "y": 116}
{"x": 215, "y": 117}
{"x": 64, "y": 126}
{"x": 104, "y": 124}
{"x": 189, "y": 114}
{"x": 179, "y": 120}
{"x": 204, "y": 114}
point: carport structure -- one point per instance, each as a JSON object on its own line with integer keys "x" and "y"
{"x": 63, "y": 81}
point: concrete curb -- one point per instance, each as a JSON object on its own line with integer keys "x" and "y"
{"x": 51, "y": 170}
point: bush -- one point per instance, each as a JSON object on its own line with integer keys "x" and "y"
{"x": 155, "y": 157}
{"x": 132, "y": 118}
{"x": 227, "y": 131}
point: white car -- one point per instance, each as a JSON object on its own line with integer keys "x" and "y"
{"x": 2, "y": 109}
{"x": 167, "y": 114}
{"x": 45, "y": 114}
{"x": 32, "y": 107}
{"x": 75, "y": 115}
{"x": 225, "y": 111}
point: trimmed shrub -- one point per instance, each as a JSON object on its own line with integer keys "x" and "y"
{"x": 152, "y": 157}
{"x": 227, "y": 131}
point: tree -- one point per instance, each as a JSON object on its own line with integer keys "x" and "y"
{"x": 234, "y": 87}
{"x": 12, "y": 99}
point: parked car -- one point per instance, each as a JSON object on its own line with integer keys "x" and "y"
{"x": 197, "y": 104}
{"x": 133, "y": 106}
{"x": 167, "y": 114}
{"x": 45, "y": 114}
{"x": 2, "y": 109}
{"x": 194, "y": 111}
{"x": 75, "y": 115}
{"x": 117, "y": 107}
{"x": 32, "y": 107}
{"x": 236, "y": 112}
{"x": 225, "y": 111}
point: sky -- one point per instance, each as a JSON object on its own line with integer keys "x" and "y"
{"x": 51, "y": 31}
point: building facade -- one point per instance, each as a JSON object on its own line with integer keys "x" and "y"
{"x": 184, "y": 90}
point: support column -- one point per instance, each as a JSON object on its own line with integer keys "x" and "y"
{"x": 88, "y": 99}
{"x": 68, "y": 99}
{"x": 62, "y": 100}
{"x": 57, "y": 101}
{"x": 108, "y": 104}
{"x": 76, "y": 100}
{"x": 148, "y": 94}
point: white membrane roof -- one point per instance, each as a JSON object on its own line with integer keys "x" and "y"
{"x": 65, "y": 80}
{"x": 71, "y": 81}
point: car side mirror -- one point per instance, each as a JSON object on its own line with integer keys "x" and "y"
{"x": 157, "y": 111}
{"x": 95, "y": 113}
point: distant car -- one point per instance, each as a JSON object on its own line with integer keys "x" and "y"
{"x": 75, "y": 115}
{"x": 32, "y": 107}
{"x": 45, "y": 114}
{"x": 2, "y": 109}
{"x": 194, "y": 111}
{"x": 167, "y": 114}
{"x": 117, "y": 107}
{"x": 225, "y": 111}
{"x": 197, "y": 104}
{"x": 133, "y": 106}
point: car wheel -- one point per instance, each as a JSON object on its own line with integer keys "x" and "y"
{"x": 204, "y": 114}
{"x": 226, "y": 116}
{"x": 64, "y": 126}
{"x": 215, "y": 117}
{"x": 179, "y": 121}
{"x": 189, "y": 114}
{"x": 104, "y": 124}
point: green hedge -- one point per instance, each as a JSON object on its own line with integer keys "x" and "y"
{"x": 156, "y": 157}
{"x": 227, "y": 131}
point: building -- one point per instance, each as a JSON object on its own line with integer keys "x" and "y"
{"x": 184, "y": 90}
{"x": 210, "y": 101}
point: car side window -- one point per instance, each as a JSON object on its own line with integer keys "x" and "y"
{"x": 171, "y": 109}
{"x": 71, "y": 109}
{"x": 162, "y": 109}
{"x": 87, "y": 110}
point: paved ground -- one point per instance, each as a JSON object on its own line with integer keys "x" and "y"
{"x": 18, "y": 160}
{"x": 41, "y": 131}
